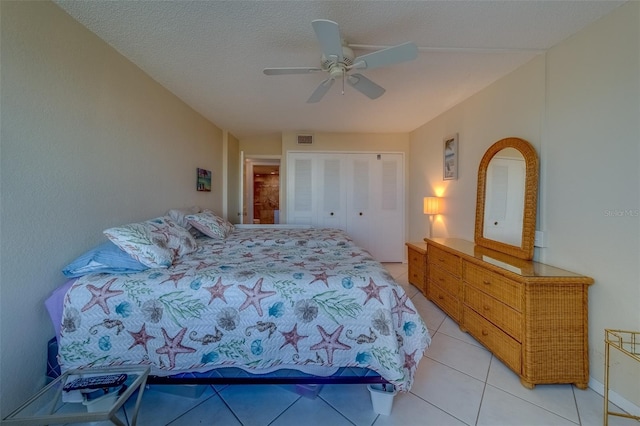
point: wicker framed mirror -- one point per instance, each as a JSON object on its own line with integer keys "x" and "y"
{"x": 507, "y": 198}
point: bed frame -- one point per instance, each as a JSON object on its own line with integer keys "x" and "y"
{"x": 267, "y": 380}
{"x": 297, "y": 378}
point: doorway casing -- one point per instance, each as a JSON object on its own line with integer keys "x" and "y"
{"x": 258, "y": 165}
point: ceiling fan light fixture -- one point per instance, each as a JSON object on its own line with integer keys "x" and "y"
{"x": 337, "y": 71}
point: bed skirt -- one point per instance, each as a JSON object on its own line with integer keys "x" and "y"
{"x": 238, "y": 376}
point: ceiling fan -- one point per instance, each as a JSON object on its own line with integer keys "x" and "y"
{"x": 338, "y": 60}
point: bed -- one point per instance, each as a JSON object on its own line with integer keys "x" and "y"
{"x": 258, "y": 300}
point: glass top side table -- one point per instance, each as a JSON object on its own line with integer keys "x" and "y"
{"x": 47, "y": 406}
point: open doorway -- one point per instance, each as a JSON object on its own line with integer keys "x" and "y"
{"x": 262, "y": 191}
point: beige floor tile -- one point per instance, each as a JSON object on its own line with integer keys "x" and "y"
{"x": 455, "y": 393}
{"x": 462, "y": 356}
{"x": 500, "y": 408}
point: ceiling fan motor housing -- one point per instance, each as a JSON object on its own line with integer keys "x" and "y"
{"x": 347, "y": 59}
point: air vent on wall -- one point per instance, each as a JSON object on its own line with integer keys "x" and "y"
{"x": 305, "y": 139}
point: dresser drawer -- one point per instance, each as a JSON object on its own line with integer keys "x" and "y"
{"x": 416, "y": 277}
{"x": 445, "y": 301}
{"x": 416, "y": 259}
{"x": 506, "y": 318}
{"x": 445, "y": 280}
{"x": 505, "y": 290}
{"x": 417, "y": 262}
{"x": 496, "y": 340}
{"x": 447, "y": 261}
{"x": 417, "y": 268}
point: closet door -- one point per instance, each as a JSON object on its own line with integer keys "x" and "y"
{"x": 331, "y": 206}
{"x": 375, "y": 204}
{"x": 301, "y": 203}
{"x": 362, "y": 194}
{"x": 388, "y": 226}
{"x": 359, "y": 206}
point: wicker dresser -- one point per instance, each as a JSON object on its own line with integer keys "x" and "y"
{"x": 417, "y": 255}
{"x": 530, "y": 315}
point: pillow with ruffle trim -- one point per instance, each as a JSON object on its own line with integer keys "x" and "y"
{"x": 179, "y": 215}
{"x": 210, "y": 224}
{"x": 155, "y": 243}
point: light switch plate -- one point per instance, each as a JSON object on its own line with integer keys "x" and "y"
{"x": 539, "y": 239}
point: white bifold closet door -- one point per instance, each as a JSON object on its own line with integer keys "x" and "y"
{"x": 360, "y": 193}
{"x": 332, "y": 204}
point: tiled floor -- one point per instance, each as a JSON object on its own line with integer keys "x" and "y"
{"x": 458, "y": 382}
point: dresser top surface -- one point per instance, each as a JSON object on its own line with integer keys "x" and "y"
{"x": 419, "y": 246}
{"x": 524, "y": 268}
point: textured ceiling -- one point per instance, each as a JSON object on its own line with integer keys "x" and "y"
{"x": 211, "y": 54}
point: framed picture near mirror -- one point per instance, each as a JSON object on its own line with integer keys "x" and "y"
{"x": 450, "y": 157}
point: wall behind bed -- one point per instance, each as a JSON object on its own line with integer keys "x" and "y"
{"x": 88, "y": 141}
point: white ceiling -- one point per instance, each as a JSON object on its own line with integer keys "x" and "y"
{"x": 211, "y": 54}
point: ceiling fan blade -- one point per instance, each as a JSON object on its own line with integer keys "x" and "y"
{"x": 320, "y": 91}
{"x": 328, "y": 34}
{"x": 290, "y": 70}
{"x": 389, "y": 56}
{"x": 365, "y": 86}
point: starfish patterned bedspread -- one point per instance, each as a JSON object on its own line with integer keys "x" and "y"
{"x": 255, "y": 300}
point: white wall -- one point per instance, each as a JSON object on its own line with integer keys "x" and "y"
{"x": 507, "y": 108}
{"x": 579, "y": 105}
{"x": 88, "y": 141}
{"x": 262, "y": 145}
{"x": 593, "y": 127}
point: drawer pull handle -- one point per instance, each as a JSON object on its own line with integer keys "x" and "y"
{"x": 440, "y": 259}
{"x": 485, "y": 333}
{"x": 486, "y": 307}
{"x": 441, "y": 297}
{"x": 486, "y": 282}
{"x": 441, "y": 279}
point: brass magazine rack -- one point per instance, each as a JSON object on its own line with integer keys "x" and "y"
{"x": 627, "y": 342}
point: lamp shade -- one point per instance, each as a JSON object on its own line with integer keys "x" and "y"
{"x": 431, "y": 205}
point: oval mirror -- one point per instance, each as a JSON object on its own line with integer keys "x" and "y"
{"x": 507, "y": 198}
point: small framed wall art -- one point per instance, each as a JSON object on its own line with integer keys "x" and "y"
{"x": 450, "y": 157}
{"x": 204, "y": 180}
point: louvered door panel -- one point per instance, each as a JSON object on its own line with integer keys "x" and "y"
{"x": 359, "y": 194}
{"x": 300, "y": 191}
{"x": 331, "y": 211}
{"x": 389, "y": 212}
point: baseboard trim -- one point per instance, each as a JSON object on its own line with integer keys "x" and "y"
{"x": 615, "y": 398}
